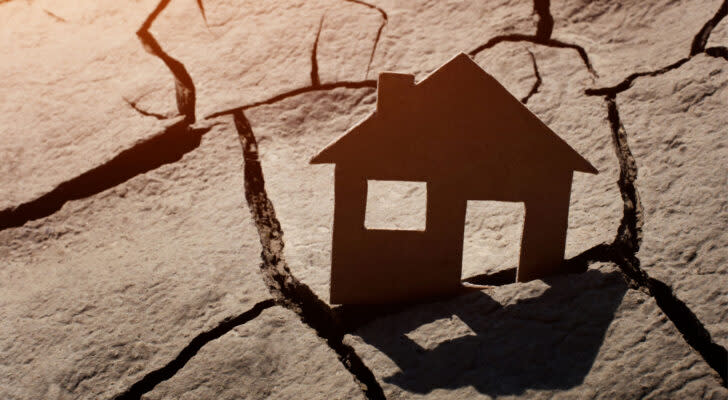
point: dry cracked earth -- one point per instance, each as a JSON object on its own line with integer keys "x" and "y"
{"x": 143, "y": 252}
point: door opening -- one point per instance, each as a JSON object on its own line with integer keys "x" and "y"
{"x": 492, "y": 241}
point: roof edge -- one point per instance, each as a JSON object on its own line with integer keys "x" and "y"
{"x": 324, "y": 156}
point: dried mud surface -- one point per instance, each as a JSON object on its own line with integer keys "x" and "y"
{"x": 155, "y": 153}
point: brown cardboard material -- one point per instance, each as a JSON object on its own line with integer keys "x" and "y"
{"x": 468, "y": 138}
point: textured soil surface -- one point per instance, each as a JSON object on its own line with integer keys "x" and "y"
{"x": 154, "y": 154}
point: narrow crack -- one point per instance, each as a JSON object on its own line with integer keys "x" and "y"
{"x": 315, "y": 79}
{"x": 133, "y": 104}
{"x": 385, "y": 20}
{"x": 717, "y": 52}
{"x": 286, "y": 290}
{"x": 54, "y": 16}
{"x": 537, "y": 84}
{"x": 372, "y": 84}
{"x": 629, "y": 233}
{"x": 627, "y": 82}
{"x": 626, "y": 245}
{"x": 154, "y": 378}
{"x": 184, "y": 87}
{"x": 698, "y": 47}
{"x": 202, "y": 10}
{"x": 163, "y": 148}
{"x": 701, "y": 38}
{"x": 519, "y": 37}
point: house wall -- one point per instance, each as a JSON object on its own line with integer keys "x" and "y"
{"x": 544, "y": 232}
{"x": 378, "y": 266}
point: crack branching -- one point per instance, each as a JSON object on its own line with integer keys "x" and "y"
{"x": 183, "y": 85}
{"x": 283, "y": 286}
{"x": 626, "y": 245}
{"x": 698, "y": 47}
{"x": 133, "y": 104}
{"x": 701, "y": 38}
{"x": 385, "y": 20}
{"x": 154, "y": 378}
{"x": 164, "y": 148}
{"x": 537, "y": 84}
{"x": 627, "y": 82}
{"x": 519, "y": 37}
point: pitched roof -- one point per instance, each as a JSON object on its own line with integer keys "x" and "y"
{"x": 457, "y": 113}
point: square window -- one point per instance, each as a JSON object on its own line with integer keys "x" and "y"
{"x": 396, "y": 205}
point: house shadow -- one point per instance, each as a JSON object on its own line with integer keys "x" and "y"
{"x": 545, "y": 342}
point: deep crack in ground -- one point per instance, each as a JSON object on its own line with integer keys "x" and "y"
{"x": 159, "y": 375}
{"x": 283, "y": 286}
{"x": 183, "y": 85}
{"x": 294, "y": 295}
{"x": 626, "y": 245}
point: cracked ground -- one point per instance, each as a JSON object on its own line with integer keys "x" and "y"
{"x": 163, "y": 236}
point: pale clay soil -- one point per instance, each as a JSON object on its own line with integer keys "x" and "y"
{"x": 131, "y": 264}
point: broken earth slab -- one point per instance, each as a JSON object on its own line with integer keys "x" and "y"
{"x": 623, "y": 38}
{"x": 65, "y": 81}
{"x": 244, "y": 52}
{"x": 350, "y": 35}
{"x": 574, "y": 336}
{"x": 273, "y": 356}
{"x": 418, "y": 39}
{"x": 719, "y": 35}
{"x": 415, "y": 37}
{"x": 115, "y": 285}
{"x": 511, "y": 65}
{"x": 676, "y": 128}
{"x": 289, "y": 133}
{"x": 596, "y": 204}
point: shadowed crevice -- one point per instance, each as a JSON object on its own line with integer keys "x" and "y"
{"x": 698, "y": 47}
{"x": 717, "y": 52}
{"x": 152, "y": 379}
{"x": 164, "y": 148}
{"x": 701, "y": 38}
{"x": 183, "y": 85}
{"x": 545, "y": 25}
{"x": 626, "y": 245}
{"x": 537, "y": 84}
{"x": 286, "y": 290}
{"x": 385, "y": 20}
{"x": 519, "y": 37}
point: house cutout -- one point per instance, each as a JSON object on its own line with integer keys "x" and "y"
{"x": 468, "y": 138}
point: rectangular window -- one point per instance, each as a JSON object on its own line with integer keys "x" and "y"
{"x": 396, "y": 205}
